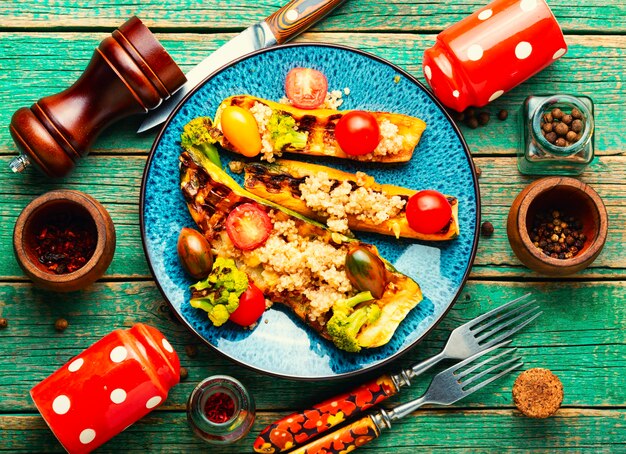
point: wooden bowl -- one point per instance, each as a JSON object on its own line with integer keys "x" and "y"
{"x": 37, "y": 214}
{"x": 571, "y": 196}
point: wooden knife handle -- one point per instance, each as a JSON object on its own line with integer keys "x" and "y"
{"x": 298, "y": 15}
{"x": 345, "y": 439}
{"x": 296, "y": 429}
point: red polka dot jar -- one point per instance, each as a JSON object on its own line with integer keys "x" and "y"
{"x": 488, "y": 53}
{"x": 108, "y": 387}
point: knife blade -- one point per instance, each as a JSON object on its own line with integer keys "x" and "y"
{"x": 278, "y": 28}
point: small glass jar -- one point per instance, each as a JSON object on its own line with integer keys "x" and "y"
{"x": 536, "y": 155}
{"x": 233, "y": 420}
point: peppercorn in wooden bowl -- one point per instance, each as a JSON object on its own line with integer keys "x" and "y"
{"x": 64, "y": 240}
{"x": 557, "y": 226}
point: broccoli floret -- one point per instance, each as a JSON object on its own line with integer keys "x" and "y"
{"x": 219, "y": 293}
{"x": 346, "y": 322}
{"x": 283, "y": 132}
{"x": 197, "y": 135}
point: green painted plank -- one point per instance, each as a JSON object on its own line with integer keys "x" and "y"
{"x": 593, "y": 66}
{"x": 581, "y": 336}
{"x": 116, "y": 181}
{"x": 364, "y": 15}
{"x": 598, "y": 431}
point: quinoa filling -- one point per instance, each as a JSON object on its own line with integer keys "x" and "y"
{"x": 290, "y": 261}
{"x": 336, "y": 201}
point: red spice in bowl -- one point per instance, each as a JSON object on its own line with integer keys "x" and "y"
{"x": 219, "y": 407}
{"x": 64, "y": 240}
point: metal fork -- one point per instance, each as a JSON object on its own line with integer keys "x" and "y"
{"x": 473, "y": 337}
{"x": 476, "y": 335}
{"x": 448, "y": 387}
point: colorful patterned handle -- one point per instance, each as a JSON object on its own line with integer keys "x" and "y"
{"x": 343, "y": 440}
{"x": 298, "y": 15}
{"x": 297, "y": 428}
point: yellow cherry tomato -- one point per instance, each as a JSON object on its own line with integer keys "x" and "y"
{"x": 241, "y": 130}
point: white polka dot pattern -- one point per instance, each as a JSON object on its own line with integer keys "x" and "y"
{"x": 475, "y": 52}
{"x": 496, "y": 95}
{"x": 523, "y": 50}
{"x": 118, "y": 354}
{"x": 559, "y": 53}
{"x": 485, "y": 14}
{"x": 76, "y": 364}
{"x": 153, "y": 402}
{"x": 428, "y": 72}
{"x": 118, "y": 396}
{"x": 528, "y": 5}
{"x": 455, "y": 93}
{"x": 87, "y": 436}
{"x": 167, "y": 346}
{"x": 61, "y": 404}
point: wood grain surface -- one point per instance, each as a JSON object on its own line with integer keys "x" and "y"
{"x": 44, "y": 47}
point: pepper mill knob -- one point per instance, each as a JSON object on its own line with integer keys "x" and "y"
{"x": 129, "y": 73}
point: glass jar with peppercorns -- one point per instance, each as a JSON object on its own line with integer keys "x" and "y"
{"x": 558, "y": 135}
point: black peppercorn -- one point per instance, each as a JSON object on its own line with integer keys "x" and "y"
{"x": 551, "y": 137}
{"x": 555, "y": 237}
{"x": 458, "y": 116}
{"x": 183, "y": 373}
{"x": 61, "y": 325}
{"x": 503, "y": 115}
{"x": 479, "y": 172}
{"x": 557, "y": 113}
{"x": 547, "y": 127}
{"x": 470, "y": 112}
{"x": 560, "y": 142}
{"x": 561, "y": 129}
{"x": 483, "y": 118}
{"x": 577, "y": 125}
{"x": 3, "y": 323}
{"x": 571, "y": 136}
{"x": 191, "y": 350}
{"x": 486, "y": 229}
{"x": 548, "y": 118}
{"x": 567, "y": 119}
{"x": 576, "y": 113}
{"x": 472, "y": 122}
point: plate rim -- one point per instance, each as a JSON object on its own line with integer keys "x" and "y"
{"x": 399, "y": 353}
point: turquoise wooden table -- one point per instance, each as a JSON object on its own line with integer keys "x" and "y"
{"x": 44, "y": 46}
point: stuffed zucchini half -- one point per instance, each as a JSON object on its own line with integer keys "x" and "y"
{"x": 338, "y": 285}
{"x": 281, "y": 128}
{"x": 342, "y": 200}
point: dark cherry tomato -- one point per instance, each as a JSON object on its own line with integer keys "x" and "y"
{"x": 251, "y": 306}
{"x": 194, "y": 253}
{"x": 428, "y": 211}
{"x": 306, "y": 88}
{"x": 357, "y": 133}
{"x": 366, "y": 271}
{"x": 248, "y": 226}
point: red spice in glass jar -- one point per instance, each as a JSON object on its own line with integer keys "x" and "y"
{"x": 219, "y": 407}
{"x": 65, "y": 243}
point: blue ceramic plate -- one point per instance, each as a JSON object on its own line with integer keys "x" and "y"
{"x": 281, "y": 344}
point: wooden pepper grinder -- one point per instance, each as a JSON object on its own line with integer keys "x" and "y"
{"x": 129, "y": 73}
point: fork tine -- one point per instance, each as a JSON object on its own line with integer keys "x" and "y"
{"x": 512, "y": 331}
{"x": 494, "y": 378}
{"x": 509, "y": 322}
{"x": 473, "y": 378}
{"x": 502, "y": 317}
{"x": 495, "y": 311}
{"x": 487, "y": 361}
{"x": 474, "y": 357}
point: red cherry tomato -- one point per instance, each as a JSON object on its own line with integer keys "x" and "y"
{"x": 357, "y": 133}
{"x": 248, "y": 226}
{"x": 306, "y": 88}
{"x": 251, "y": 306}
{"x": 428, "y": 211}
